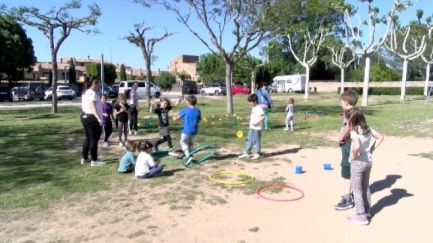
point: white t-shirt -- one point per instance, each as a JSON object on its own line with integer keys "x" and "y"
{"x": 255, "y": 116}
{"x": 365, "y": 146}
{"x": 88, "y": 97}
{"x": 133, "y": 95}
{"x": 143, "y": 163}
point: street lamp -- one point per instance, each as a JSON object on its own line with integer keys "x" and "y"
{"x": 102, "y": 72}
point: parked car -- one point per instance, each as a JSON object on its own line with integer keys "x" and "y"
{"x": 31, "y": 91}
{"x": 63, "y": 92}
{"x": 6, "y": 94}
{"x": 272, "y": 89}
{"x": 214, "y": 89}
{"x": 155, "y": 91}
{"x": 109, "y": 91}
{"x": 115, "y": 88}
{"x": 240, "y": 89}
{"x": 14, "y": 91}
{"x": 189, "y": 89}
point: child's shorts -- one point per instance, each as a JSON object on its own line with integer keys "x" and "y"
{"x": 345, "y": 165}
{"x": 163, "y": 131}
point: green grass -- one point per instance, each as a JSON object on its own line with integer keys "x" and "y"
{"x": 40, "y": 155}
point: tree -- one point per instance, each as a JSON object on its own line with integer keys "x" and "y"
{"x": 366, "y": 50}
{"x": 412, "y": 47}
{"x": 50, "y": 78}
{"x": 147, "y": 47}
{"x": 94, "y": 69}
{"x": 16, "y": 52}
{"x": 54, "y": 20}
{"x": 72, "y": 73}
{"x": 165, "y": 80}
{"x": 249, "y": 27}
{"x": 211, "y": 68}
{"x": 122, "y": 73}
{"x": 252, "y": 64}
{"x": 340, "y": 58}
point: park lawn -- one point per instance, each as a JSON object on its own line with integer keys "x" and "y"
{"x": 39, "y": 167}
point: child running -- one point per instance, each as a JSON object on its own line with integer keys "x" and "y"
{"x": 290, "y": 110}
{"x": 127, "y": 162}
{"x": 348, "y": 100}
{"x": 256, "y": 125}
{"x": 122, "y": 113}
{"x": 360, "y": 163}
{"x": 107, "y": 115}
{"x": 191, "y": 118}
{"x": 146, "y": 167}
{"x": 162, "y": 109}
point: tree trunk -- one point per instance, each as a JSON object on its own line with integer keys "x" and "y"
{"x": 403, "y": 80}
{"x": 366, "y": 81}
{"x": 253, "y": 80}
{"x": 229, "y": 69}
{"x": 307, "y": 82}
{"x": 54, "y": 81}
{"x": 342, "y": 80}
{"x": 427, "y": 79}
{"x": 148, "y": 78}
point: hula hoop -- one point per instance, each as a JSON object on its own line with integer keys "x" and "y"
{"x": 281, "y": 186}
{"x": 250, "y": 177}
{"x": 212, "y": 146}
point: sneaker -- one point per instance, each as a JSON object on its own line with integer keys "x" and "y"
{"x": 84, "y": 161}
{"x": 244, "y": 155}
{"x": 97, "y": 163}
{"x": 189, "y": 160}
{"x": 136, "y": 132}
{"x": 105, "y": 144}
{"x": 130, "y": 132}
{"x": 256, "y": 156}
{"x": 125, "y": 143}
{"x": 120, "y": 144}
{"x": 358, "y": 219}
{"x": 344, "y": 204}
{"x": 286, "y": 129}
{"x": 171, "y": 152}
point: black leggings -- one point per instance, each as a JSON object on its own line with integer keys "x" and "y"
{"x": 166, "y": 138}
{"x": 134, "y": 119}
{"x": 108, "y": 128}
{"x": 93, "y": 133}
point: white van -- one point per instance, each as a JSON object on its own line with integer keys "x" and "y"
{"x": 290, "y": 83}
{"x": 155, "y": 91}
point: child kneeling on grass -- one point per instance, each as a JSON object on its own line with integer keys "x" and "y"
{"x": 127, "y": 162}
{"x": 145, "y": 166}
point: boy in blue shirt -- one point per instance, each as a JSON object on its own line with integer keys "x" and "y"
{"x": 191, "y": 118}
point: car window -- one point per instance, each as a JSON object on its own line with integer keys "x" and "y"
{"x": 49, "y": 89}
{"x": 64, "y": 88}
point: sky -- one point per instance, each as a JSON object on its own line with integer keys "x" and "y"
{"x": 119, "y": 16}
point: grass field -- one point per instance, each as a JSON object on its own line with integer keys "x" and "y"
{"x": 38, "y": 167}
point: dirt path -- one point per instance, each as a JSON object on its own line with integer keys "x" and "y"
{"x": 188, "y": 208}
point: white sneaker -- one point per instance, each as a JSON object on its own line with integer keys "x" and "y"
{"x": 256, "y": 156}
{"x": 171, "y": 152}
{"x": 189, "y": 160}
{"x": 120, "y": 144}
{"x": 130, "y": 132}
{"x": 136, "y": 132}
{"x": 286, "y": 129}
{"x": 97, "y": 163}
{"x": 125, "y": 143}
{"x": 84, "y": 161}
{"x": 244, "y": 155}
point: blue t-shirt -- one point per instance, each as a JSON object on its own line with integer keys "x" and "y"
{"x": 191, "y": 117}
{"x": 126, "y": 162}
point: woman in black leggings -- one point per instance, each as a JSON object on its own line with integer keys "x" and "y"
{"x": 91, "y": 118}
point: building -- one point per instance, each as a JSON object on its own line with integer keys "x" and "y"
{"x": 187, "y": 63}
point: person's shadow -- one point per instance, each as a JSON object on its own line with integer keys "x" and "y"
{"x": 389, "y": 180}
{"x": 396, "y": 195}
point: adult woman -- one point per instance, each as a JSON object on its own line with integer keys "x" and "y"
{"x": 91, "y": 118}
{"x": 265, "y": 102}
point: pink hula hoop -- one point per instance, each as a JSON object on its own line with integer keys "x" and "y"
{"x": 281, "y": 186}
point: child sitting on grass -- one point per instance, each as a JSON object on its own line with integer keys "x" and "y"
{"x": 145, "y": 166}
{"x": 127, "y": 162}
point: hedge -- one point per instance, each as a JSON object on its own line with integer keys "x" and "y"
{"x": 386, "y": 90}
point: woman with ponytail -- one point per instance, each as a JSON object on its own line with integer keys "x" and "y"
{"x": 91, "y": 118}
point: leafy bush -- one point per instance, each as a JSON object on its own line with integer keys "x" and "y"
{"x": 387, "y": 90}
{"x": 165, "y": 80}
{"x": 94, "y": 69}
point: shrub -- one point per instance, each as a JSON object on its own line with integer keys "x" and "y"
{"x": 387, "y": 90}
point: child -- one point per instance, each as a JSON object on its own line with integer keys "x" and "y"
{"x": 162, "y": 110}
{"x": 191, "y": 118}
{"x": 122, "y": 114}
{"x": 290, "y": 109}
{"x": 255, "y": 132}
{"x": 107, "y": 114}
{"x": 360, "y": 163}
{"x": 146, "y": 167}
{"x": 127, "y": 162}
{"x": 348, "y": 100}
{"x": 113, "y": 104}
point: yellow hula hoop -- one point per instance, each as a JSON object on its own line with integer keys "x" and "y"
{"x": 250, "y": 177}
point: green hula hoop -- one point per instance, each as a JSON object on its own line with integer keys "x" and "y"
{"x": 212, "y": 146}
{"x": 250, "y": 177}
